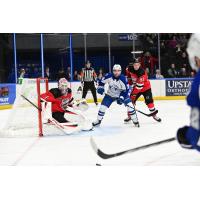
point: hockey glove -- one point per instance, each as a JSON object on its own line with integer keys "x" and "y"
{"x": 120, "y": 100}
{"x": 133, "y": 97}
{"x": 126, "y": 101}
{"x": 100, "y": 90}
{"x": 181, "y": 137}
{"x": 65, "y": 104}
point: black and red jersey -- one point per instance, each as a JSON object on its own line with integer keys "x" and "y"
{"x": 138, "y": 79}
{"x": 55, "y": 96}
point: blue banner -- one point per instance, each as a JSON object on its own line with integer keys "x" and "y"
{"x": 177, "y": 87}
{"x": 7, "y": 94}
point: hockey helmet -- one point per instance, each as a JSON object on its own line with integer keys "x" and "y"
{"x": 63, "y": 85}
{"x": 193, "y": 50}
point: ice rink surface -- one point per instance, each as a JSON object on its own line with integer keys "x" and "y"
{"x": 113, "y": 136}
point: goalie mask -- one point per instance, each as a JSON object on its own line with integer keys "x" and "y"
{"x": 193, "y": 50}
{"x": 63, "y": 86}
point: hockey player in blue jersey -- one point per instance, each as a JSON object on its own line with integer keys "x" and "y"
{"x": 189, "y": 136}
{"x": 117, "y": 91}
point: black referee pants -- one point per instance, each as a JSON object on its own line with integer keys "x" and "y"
{"x": 89, "y": 85}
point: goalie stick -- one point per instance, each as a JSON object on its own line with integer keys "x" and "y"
{"x": 107, "y": 156}
{"x": 31, "y": 103}
{"x": 68, "y": 124}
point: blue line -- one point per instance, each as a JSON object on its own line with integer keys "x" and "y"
{"x": 42, "y": 53}
{"x": 15, "y": 56}
{"x": 71, "y": 56}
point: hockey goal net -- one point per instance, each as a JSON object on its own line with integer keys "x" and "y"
{"x": 26, "y": 117}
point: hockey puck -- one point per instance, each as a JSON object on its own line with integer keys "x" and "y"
{"x": 97, "y": 164}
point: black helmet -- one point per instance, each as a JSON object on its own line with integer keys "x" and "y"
{"x": 136, "y": 60}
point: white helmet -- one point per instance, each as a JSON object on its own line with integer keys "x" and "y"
{"x": 63, "y": 85}
{"x": 117, "y": 67}
{"x": 193, "y": 50}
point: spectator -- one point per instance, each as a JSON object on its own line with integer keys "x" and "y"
{"x": 100, "y": 75}
{"x": 162, "y": 49}
{"x": 183, "y": 73}
{"x": 183, "y": 59}
{"x": 178, "y": 50}
{"x": 192, "y": 74}
{"x": 68, "y": 73}
{"x": 173, "y": 42}
{"x": 172, "y": 72}
{"x": 147, "y": 71}
{"x": 22, "y": 73}
{"x": 48, "y": 74}
{"x": 61, "y": 74}
{"x": 183, "y": 40}
{"x": 148, "y": 61}
{"x": 76, "y": 76}
{"x": 158, "y": 74}
{"x": 35, "y": 73}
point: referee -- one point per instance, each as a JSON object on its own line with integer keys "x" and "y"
{"x": 88, "y": 77}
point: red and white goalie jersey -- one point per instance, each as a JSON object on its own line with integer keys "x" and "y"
{"x": 59, "y": 102}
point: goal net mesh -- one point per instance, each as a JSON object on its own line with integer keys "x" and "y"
{"x": 24, "y": 117}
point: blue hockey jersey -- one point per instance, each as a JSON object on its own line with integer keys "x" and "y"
{"x": 116, "y": 86}
{"x": 193, "y": 100}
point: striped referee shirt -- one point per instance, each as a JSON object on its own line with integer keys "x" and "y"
{"x": 88, "y": 74}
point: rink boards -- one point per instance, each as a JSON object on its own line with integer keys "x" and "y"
{"x": 163, "y": 89}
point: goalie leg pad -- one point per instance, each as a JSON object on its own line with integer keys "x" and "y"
{"x": 59, "y": 116}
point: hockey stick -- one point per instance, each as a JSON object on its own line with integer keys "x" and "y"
{"x": 60, "y": 126}
{"x": 107, "y": 156}
{"x": 31, "y": 103}
{"x": 148, "y": 115}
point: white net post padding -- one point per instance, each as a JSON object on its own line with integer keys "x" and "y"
{"x": 26, "y": 119}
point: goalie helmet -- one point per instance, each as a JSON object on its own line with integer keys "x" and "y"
{"x": 63, "y": 85}
{"x": 193, "y": 50}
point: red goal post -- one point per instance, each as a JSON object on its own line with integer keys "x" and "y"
{"x": 38, "y": 81}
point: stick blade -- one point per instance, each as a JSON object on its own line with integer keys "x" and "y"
{"x": 100, "y": 153}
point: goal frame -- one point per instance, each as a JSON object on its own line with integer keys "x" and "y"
{"x": 38, "y": 82}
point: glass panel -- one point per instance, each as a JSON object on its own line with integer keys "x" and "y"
{"x": 126, "y": 46}
{"x": 28, "y": 55}
{"x": 173, "y": 56}
{"x": 56, "y": 56}
{"x": 121, "y": 48}
{"x": 79, "y": 56}
{"x": 97, "y": 52}
{"x": 148, "y": 43}
{"x": 7, "y": 72}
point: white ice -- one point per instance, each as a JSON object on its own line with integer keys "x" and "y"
{"x": 111, "y": 137}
